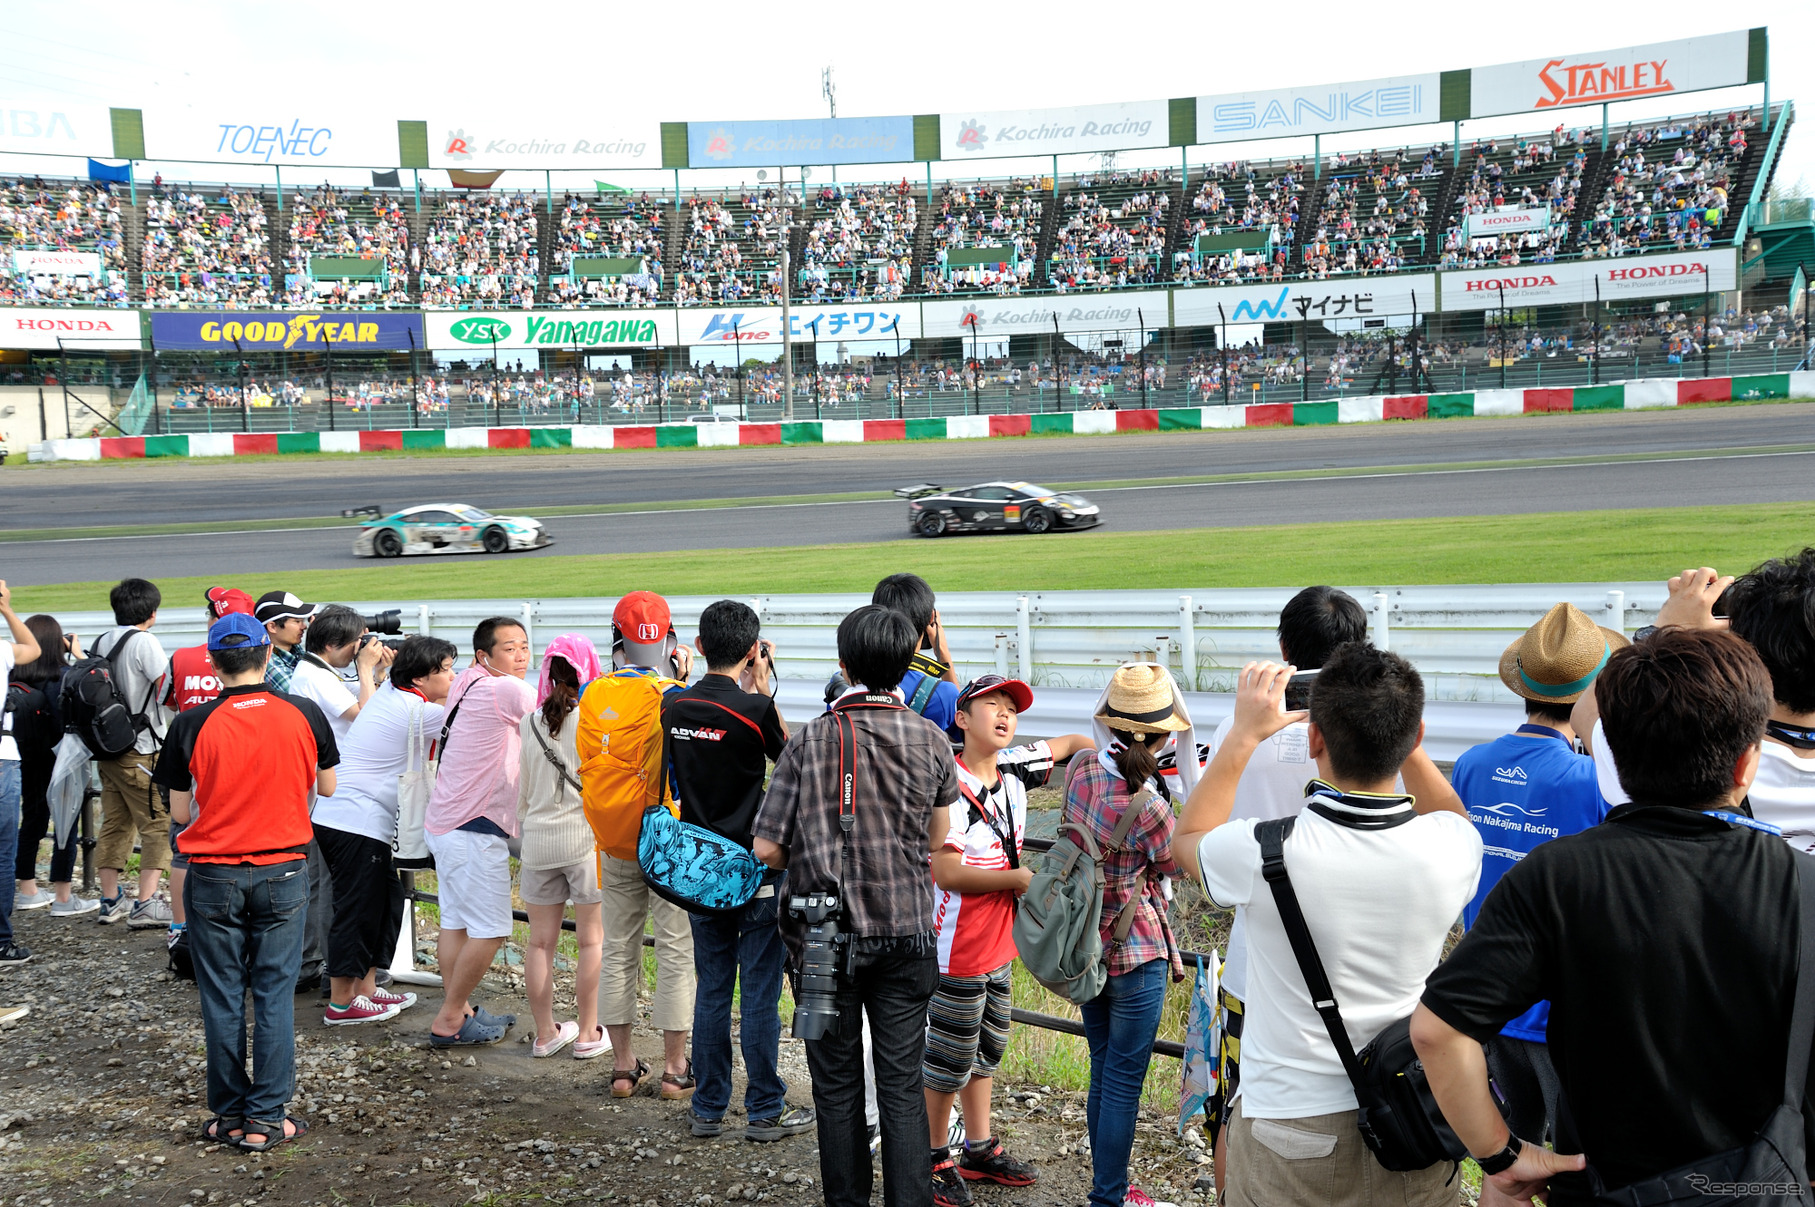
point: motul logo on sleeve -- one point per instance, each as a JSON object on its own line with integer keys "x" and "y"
{"x": 1651, "y": 272}
{"x": 1567, "y": 83}
{"x": 1495, "y": 284}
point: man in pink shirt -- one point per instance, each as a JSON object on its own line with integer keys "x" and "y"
{"x": 472, "y": 815}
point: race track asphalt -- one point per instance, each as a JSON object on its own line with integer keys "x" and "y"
{"x": 1695, "y": 463}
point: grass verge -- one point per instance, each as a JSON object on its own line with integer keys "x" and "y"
{"x": 1544, "y": 547}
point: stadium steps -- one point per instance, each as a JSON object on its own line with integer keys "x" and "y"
{"x": 674, "y": 239}
{"x": 545, "y": 251}
{"x": 132, "y": 221}
{"x": 1443, "y": 209}
{"x": 1310, "y": 206}
{"x": 1174, "y": 230}
{"x": 1594, "y": 186}
{"x": 1753, "y": 167}
{"x": 1050, "y": 216}
{"x": 923, "y": 238}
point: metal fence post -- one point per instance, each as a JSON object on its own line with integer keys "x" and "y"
{"x": 529, "y": 619}
{"x": 1381, "y": 621}
{"x": 1616, "y": 611}
{"x": 1187, "y": 643}
{"x": 422, "y": 620}
{"x": 1024, "y": 635}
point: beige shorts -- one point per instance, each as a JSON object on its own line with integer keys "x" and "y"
{"x": 1322, "y": 1159}
{"x": 577, "y": 882}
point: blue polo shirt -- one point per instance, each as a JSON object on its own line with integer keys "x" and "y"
{"x": 941, "y": 707}
{"x": 1520, "y": 791}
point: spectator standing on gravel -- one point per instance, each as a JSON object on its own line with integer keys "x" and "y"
{"x": 252, "y": 755}
{"x": 354, "y": 828}
{"x": 558, "y": 864}
{"x": 720, "y": 735}
{"x": 22, "y": 647}
{"x": 472, "y": 816}
{"x": 37, "y": 719}
{"x": 130, "y": 806}
{"x": 286, "y": 618}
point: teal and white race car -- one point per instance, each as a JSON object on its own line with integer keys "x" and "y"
{"x": 447, "y": 528}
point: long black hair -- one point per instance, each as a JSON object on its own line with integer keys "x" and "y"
{"x": 48, "y": 666}
{"x": 563, "y": 692}
{"x": 1136, "y": 759}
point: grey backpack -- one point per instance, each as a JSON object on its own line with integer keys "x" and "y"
{"x": 1058, "y": 924}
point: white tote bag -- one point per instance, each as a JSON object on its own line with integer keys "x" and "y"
{"x": 410, "y": 848}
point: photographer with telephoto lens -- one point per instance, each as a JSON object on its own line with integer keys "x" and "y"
{"x": 858, "y": 802}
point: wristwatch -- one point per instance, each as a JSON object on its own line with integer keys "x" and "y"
{"x": 1503, "y": 1160}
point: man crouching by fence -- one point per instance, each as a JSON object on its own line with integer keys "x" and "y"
{"x": 239, "y": 769}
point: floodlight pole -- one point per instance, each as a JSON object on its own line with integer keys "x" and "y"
{"x": 1705, "y": 300}
{"x": 245, "y": 402}
{"x": 976, "y": 366}
{"x": 901, "y": 398}
{"x": 1595, "y": 365}
{"x": 412, "y": 334}
{"x": 1224, "y": 342}
{"x": 1501, "y": 286}
{"x": 329, "y": 402}
{"x": 497, "y": 403}
{"x": 1142, "y": 320}
{"x": 1058, "y": 363}
{"x": 741, "y": 412}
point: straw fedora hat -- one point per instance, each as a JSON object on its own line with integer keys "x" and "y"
{"x": 1141, "y": 700}
{"x": 1555, "y": 660}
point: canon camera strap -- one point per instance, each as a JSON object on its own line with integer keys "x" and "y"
{"x": 846, "y": 724}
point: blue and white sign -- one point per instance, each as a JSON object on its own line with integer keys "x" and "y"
{"x": 42, "y": 125}
{"x": 1081, "y": 129}
{"x": 806, "y": 324}
{"x": 302, "y": 135}
{"x": 808, "y": 141}
{"x": 1364, "y": 298}
{"x": 1320, "y": 109}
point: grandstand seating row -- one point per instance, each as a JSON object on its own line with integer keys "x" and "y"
{"x": 1663, "y": 185}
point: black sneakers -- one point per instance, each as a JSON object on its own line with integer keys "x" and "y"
{"x": 949, "y": 1188}
{"x": 13, "y": 954}
{"x": 988, "y": 1162}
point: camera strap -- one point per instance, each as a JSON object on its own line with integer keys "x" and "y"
{"x": 845, "y": 723}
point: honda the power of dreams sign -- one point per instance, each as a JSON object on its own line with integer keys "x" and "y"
{"x": 1621, "y": 279}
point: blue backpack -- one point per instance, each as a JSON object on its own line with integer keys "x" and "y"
{"x": 698, "y": 870}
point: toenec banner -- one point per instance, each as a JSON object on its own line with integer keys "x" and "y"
{"x": 808, "y": 141}
{"x": 1661, "y": 69}
{"x": 301, "y": 136}
{"x": 314, "y": 331}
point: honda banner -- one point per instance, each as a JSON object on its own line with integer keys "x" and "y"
{"x": 482, "y": 138}
{"x": 995, "y": 319}
{"x": 1661, "y": 69}
{"x": 1489, "y": 223}
{"x": 57, "y": 263}
{"x": 91, "y": 330}
{"x": 806, "y": 324}
{"x": 1319, "y": 109}
{"x": 252, "y": 331}
{"x": 1621, "y": 279}
{"x": 1382, "y": 297}
{"x": 465, "y": 330}
{"x": 40, "y": 125}
{"x": 1086, "y": 128}
{"x": 301, "y": 135}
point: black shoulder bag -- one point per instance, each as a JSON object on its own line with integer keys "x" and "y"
{"x": 1399, "y": 1119}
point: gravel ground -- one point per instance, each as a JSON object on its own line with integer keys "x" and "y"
{"x": 102, "y": 1095}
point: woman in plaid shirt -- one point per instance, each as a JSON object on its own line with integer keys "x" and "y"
{"x": 1140, "y": 714}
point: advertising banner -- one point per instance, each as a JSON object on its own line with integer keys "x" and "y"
{"x": 1085, "y": 128}
{"x": 1507, "y": 222}
{"x": 550, "y": 140}
{"x": 808, "y": 141}
{"x": 39, "y": 125}
{"x": 1387, "y": 296}
{"x": 1319, "y": 109}
{"x": 517, "y": 329}
{"x": 314, "y": 331}
{"x": 301, "y": 135}
{"x": 1691, "y": 65}
{"x": 993, "y": 318}
{"x": 806, "y": 324}
{"x": 102, "y": 330}
{"x": 57, "y": 263}
{"x": 1621, "y": 279}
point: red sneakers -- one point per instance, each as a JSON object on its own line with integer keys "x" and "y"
{"x": 361, "y": 1010}
{"x": 384, "y": 997}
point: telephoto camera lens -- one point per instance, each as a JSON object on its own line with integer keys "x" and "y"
{"x": 815, "y": 1003}
{"x": 389, "y": 623}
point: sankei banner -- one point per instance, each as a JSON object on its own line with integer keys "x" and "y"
{"x": 806, "y": 324}
{"x": 1488, "y": 223}
{"x": 552, "y": 139}
{"x": 92, "y": 330}
{"x": 301, "y": 135}
{"x": 252, "y": 331}
{"x": 57, "y": 263}
{"x": 996, "y": 134}
{"x": 1394, "y": 295}
{"x": 1660, "y": 69}
{"x": 466, "y": 330}
{"x": 1319, "y": 109}
{"x": 38, "y": 125}
{"x": 1622, "y": 278}
{"x": 992, "y": 318}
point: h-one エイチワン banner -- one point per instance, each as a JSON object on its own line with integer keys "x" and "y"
{"x": 1319, "y": 108}
{"x": 997, "y": 134}
{"x": 759, "y": 325}
{"x": 1623, "y": 278}
{"x": 49, "y": 329}
{"x": 1660, "y": 69}
{"x": 300, "y": 135}
{"x": 1344, "y": 298}
{"x": 481, "y": 138}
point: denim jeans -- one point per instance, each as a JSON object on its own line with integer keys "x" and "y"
{"x": 1120, "y": 1024}
{"x": 9, "y": 842}
{"x": 743, "y": 946}
{"x": 892, "y": 991}
{"x": 246, "y": 936}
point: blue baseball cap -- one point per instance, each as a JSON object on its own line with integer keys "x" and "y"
{"x": 236, "y": 631}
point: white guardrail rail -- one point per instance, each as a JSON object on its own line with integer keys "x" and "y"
{"x": 1067, "y": 643}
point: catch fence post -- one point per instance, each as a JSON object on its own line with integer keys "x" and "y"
{"x": 1381, "y": 622}
{"x": 1616, "y": 611}
{"x": 1187, "y": 643}
{"x": 1024, "y": 635}
{"x": 422, "y": 620}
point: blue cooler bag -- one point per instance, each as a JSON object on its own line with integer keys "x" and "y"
{"x": 698, "y": 870}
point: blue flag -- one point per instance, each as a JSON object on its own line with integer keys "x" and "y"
{"x": 99, "y": 171}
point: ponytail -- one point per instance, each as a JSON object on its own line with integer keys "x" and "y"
{"x": 563, "y": 693}
{"x": 1136, "y": 760}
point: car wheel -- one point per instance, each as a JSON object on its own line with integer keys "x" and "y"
{"x": 1037, "y": 521}
{"x": 387, "y": 543}
{"x": 495, "y": 540}
{"x": 931, "y": 523}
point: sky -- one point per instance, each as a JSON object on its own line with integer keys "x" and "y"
{"x": 720, "y": 61}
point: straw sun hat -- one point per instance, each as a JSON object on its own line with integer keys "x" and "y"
{"x": 1557, "y": 658}
{"x": 1141, "y": 700}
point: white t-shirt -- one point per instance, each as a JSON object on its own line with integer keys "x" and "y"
{"x": 1784, "y": 793}
{"x": 1379, "y": 904}
{"x": 139, "y": 674}
{"x": 9, "y": 749}
{"x": 312, "y": 681}
{"x": 373, "y": 753}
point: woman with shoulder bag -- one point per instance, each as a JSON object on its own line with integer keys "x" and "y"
{"x": 559, "y": 863}
{"x": 34, "y": 689}
{"x": 1139, "y": 716}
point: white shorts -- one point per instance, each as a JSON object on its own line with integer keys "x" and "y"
{"x": 472, "y": 874}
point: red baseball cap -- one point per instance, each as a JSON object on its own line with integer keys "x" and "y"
{"x": 228, "y": 601}
{"x": 1017, "y": 691}
{"x": 641, "y": 619}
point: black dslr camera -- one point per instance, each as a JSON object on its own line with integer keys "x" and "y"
{"x": 827, "y": 951}
{"x": 388, "y": 623}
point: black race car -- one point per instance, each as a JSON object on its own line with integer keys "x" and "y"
{"x": 993, "y": 507}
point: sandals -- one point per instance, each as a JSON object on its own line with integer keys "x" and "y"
{"x": 678, "y": 1087}
{"x": 289, "y": 1128}
{"x": 633, "y": 1076}
{"x": 223, "y": 1129}
{"x": 472, "y": 1034}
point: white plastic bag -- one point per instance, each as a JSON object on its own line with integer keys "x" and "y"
{"x": 1203, "y": 1044}
{"x": 68, "y": 782}
{"x": 409, "y": 847}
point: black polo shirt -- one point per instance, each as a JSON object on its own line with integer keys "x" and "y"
{"x": 719, "y": 738}
{"x": 1667, "y": 943}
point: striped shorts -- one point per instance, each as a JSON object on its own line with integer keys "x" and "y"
{"x": 966, "y": 1029}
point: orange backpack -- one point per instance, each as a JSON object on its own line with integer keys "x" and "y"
{"x": 620, "y": 747}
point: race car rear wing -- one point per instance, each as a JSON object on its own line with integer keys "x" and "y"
{"x": 919, "y": 492}
{"x": 371, "y": 510}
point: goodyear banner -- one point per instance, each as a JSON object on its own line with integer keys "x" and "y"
{"x": 454, "y": 330}
{"x": 314, "y": 331}
{"x": 1661, "y": 69}
{"x": 1346, "y": 298}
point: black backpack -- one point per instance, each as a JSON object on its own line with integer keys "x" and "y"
{"x": 94, "y": 708}
{"x": 181, "y": 963}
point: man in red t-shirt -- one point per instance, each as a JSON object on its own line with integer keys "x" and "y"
{"x": 239, "y": 769}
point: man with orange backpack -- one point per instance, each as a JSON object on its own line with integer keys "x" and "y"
{"x": 622, "y": 775}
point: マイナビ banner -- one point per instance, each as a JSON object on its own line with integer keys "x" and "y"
{"x": 1621, "y": 279}
{"x": 1319, "y": 109}
{"x": 1000, "y": 134}
{"x": 91, "y": 330}
{"x": 1396, "y": 295}
{"x": 1660, "y": 69}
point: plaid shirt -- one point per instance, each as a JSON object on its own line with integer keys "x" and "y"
{"x": 904, "y": 771}
{"x": 282, "y": 668}
{"x": 1095, "y": 798}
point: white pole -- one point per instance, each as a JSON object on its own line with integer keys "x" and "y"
{"x": 1024, "y": 635}
{"x": 1382, "y": 631}
{"x": 1187, "y": 644}
{"x": 1616, "y": 611}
